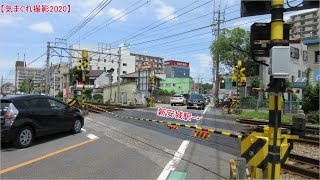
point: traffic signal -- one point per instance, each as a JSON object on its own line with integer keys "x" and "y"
{"x": 243, "y": 84}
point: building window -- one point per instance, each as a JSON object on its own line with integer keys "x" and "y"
{"x": 292, "y": 78}
{"x": 299, "y": 73}
{"x": 305, "y": 55}
{"x": 99, "y": 60}
{"x": 98, "y": 68}
{"x": 302, "y": 22}
{"x": 304, "y": 74}
{"x": 315, "y": 20}
{"x": 112, "y": 61}
{"x": 104, "y": 68}
{"x": 124, "y": 64}
{"x": 317, "y": 56}
{"x": 173, "y": 85}
{"x": 294, "y": 52}
{"x": 105, "y": 60}
{"x": 124, "y": 72}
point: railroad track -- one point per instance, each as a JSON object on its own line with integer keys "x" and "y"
{"x": 309, "y": 129}
{"x": 304, "y": 166}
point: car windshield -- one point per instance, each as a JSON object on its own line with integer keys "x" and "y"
{"x": 196, "y": 96}
{"x": 177, "y": 96}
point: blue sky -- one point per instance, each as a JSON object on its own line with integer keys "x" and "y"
{"x": 28, "y": 32}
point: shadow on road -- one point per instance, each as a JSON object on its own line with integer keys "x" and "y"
{"x": 6, "y": 147}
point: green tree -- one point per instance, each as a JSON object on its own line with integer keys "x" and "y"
{"x": 310, "y": 98}
{"x": 72, "y": 76}
{"x": 27, "y": 85}
{"x": 60, "y": 94}
{"x": 232, "y": 45}
{"x": 88, "y": 92}
{"x": 98, "y": 98}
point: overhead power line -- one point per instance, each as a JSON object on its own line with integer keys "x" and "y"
{"x": 93, "y": 31}
{"x": 175, "y": 17}
{"x": 90, "y": 16}
{"x": 136, "y": 34}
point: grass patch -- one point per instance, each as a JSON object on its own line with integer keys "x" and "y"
{"x": 263, "y": 115}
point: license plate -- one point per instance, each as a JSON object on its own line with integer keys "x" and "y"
{"x": 195, "y": 104}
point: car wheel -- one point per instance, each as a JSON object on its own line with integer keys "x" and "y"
{"x": 76, "y": 128}
{"x": 171, "y": 104}
{"x": 188, "y": 107}
{"x": 24, "y": 137}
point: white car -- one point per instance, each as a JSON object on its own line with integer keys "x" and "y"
{"x": 178, "y": 99}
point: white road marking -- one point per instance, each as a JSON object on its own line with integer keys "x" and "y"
{"x": 83, "y": 130}
{"x": 205, "y": 110}
{"x": 171, "y": 166}
{"x": 92, "y": 136}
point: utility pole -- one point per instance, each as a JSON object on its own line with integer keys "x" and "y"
{"x": 199, "y": 84}
{"x": 216, "y": 30}
{"x": 119, "y": 70}
{"x": 1, "y": 83}
{"x": 47, "y": 69}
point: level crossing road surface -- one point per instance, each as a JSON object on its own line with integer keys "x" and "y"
{"x": 113, "y": 148}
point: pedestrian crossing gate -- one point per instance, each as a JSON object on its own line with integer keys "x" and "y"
{"x": 255, "y": 149}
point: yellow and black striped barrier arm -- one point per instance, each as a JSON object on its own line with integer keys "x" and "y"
{"x": 71, "y": 102}
{"x": 223, "y": 133}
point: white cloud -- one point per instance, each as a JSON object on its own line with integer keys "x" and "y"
{"x": 6, "y": 19}
{"x": 55, "y": 3}
{"x": 42, "y": 27}
{"x": 85, "y": 7}
{"x": 204, "y": 60}
{"x": 164, "y": 11}
{"x": 117, "y": 13}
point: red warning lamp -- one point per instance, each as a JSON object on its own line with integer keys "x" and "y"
{"x": 243, "y": 84}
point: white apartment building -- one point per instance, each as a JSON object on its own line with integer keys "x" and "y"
{"x": 106, "y": 62}
{"x": 23, "y": 72}
{"x": 58, "y": 77}
{"x": 305, "y": 25}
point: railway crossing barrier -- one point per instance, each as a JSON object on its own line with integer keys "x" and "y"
{"x": 201, "y": 134}
{"x": 71, "y": 101}
{"x": 255, "y": 149}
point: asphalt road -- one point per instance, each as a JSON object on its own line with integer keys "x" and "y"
{"x": 113, "y": 148}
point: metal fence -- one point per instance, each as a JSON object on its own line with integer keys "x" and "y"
{"x": 287, "y": 106}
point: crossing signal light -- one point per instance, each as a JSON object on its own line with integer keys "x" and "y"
{"x": 234, "y": 83}
{"x": 79, "y": 76}
{"x": 254, "y": 7}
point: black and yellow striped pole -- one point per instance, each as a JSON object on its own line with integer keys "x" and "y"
{"x": 238, "y": 84}
{"x": 83, "y": 67}
{"x": 275, "y": 101}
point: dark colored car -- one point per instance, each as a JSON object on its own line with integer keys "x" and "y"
{"x": 196, "y": 101}
{"x": 25, "y": 117}
{"x": 187, "y": 96}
